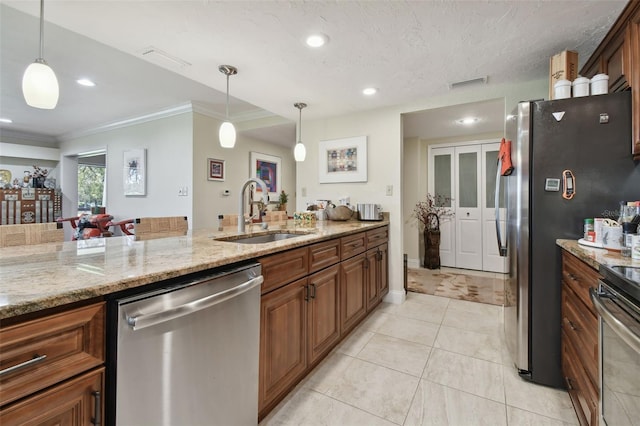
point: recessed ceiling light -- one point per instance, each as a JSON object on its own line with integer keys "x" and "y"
{"x": 317, "y": 40}
{"x": 370, "y": 91}
{"x": 85, "y": 82}
{"x": 467, "y": 120}
{"x": 6, "y": 120}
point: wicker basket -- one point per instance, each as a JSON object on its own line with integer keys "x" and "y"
{"x": 339, "y": 213}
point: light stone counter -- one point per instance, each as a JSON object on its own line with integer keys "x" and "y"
{"x": 595, "y": 257}
{"x": 49, "y": 275}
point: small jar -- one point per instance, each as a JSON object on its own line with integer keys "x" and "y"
{"x": 220, "y": 227}
{"x": 628, "y": 232}
{"x": 600, "y": 84}
{"x": 580, "y": 87}
{"x": 635, "y": 247}
{"x": 589, "y": 234}
{"x": 562, "y": 89}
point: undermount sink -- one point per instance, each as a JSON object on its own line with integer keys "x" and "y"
{"x": 260, "y": 239}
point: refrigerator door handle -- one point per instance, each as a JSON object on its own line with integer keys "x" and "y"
{"x": 502, "y": 248}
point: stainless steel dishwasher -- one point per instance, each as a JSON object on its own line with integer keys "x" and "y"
{"x": 187, "y": 354}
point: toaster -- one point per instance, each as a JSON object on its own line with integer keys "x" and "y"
{"x": 369, "y": 212}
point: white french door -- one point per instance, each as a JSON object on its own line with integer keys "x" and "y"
{"x": 468, "y": 217}
{"x": 466, "y": 174}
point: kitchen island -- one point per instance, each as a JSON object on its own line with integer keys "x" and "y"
{"x": 38, "y": 277}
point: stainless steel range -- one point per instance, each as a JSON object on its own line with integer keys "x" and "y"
{"x": 618, "y": 304}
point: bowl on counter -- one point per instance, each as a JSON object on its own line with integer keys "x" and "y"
{"x": 339, "y": 213}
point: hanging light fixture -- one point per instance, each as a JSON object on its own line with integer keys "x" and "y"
{"x": 300, "y": 152}
{"x": 227, "y": 133}
{"x": 39, "y": 82}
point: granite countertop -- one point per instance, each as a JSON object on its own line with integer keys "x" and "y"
{"x": 42, "y": 276}
{"x": 595, "y": 257}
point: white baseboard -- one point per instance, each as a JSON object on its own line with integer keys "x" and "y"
{"x": 395, "y": 296}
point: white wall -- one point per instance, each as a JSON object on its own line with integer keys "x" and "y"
{"x": 169, "y": 145}
{"x": 385, "y": 157}
{"x": 208, "y": 199}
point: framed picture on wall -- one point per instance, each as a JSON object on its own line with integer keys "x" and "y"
{"x": 215, "y": 169}
{"x": 343, "y": 160}
{"x": 135, "y": 172}
{"x": 268, "y": 168}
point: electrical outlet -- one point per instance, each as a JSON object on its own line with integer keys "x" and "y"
{"x": 183, "y": 191}
{"x": 389, "y": 190}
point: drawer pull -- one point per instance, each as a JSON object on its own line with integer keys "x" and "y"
{"x": 36, "y": 359}
{"x": 97, "y": 410}
{"x": 569, "y": 385}
{"x": 571, "y": 325}
{"x": 573, "y": 277}
{"x": 313, "y": 287}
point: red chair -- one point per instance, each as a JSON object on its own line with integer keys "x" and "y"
{"x": 126, "y": 226}
{"x": 89, "y": 226}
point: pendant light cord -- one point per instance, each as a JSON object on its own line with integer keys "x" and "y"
{"x": 227, "y": 97}
{"x": 41, "y": 29}
{"x": 300, "y": 127}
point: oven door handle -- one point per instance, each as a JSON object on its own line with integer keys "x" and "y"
{"x": 616, "y": 324}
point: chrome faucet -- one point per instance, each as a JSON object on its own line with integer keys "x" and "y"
{"x": 265, "y": 200}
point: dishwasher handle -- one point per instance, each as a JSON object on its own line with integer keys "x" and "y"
{"x": 147, "y": 320}
{"x": 616, "y": 323}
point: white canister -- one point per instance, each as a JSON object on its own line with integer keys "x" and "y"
{"x": 635, "y": 247}
{"x": 612, "y": 237}
{"x": 600, "y": 84}
{"x": 562, "y": 89}
{"x": 580, "y": 87}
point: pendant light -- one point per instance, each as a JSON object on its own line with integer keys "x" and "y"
{"x": 39, "y": 82}
{"x": 300, "y": 152}
{"x": 227, "y": 133}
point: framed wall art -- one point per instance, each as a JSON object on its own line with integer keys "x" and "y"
{"x": 343, "y": 160}
{"x": 135, "y": 172}
{"x": 268, "y": 168}
{"x": 215, "y": 169}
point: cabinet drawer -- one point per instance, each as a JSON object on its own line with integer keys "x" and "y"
{"x": 584, "y": 395}
{"x": 66, "y": 344}
{"x": 580, "y": 277}
{"x": 322, "y": 255}
{"x": 282, "y": 268}
{"x": 581, "y": 327}
{"x": 378, "y": 236}
{"x": 72, "y": 402}
{"x": 352, "y": 245}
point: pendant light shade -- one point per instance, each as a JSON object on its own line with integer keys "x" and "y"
{"x": 39, "y": 83}
{"x": 227, "y": 135}
{"x": 300, "y": 151}
{"x": 227, "y": 132}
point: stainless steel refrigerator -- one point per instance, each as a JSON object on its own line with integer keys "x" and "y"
{"x": 589, "y": 137}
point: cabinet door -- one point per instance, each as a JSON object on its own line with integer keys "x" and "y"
{"x": 353, "y": 303}
{"x": 383, "y": 270}
{"x": 616, "y": 63}
{"x": 78, "y": 402}
{"x": 372, "y": 271}
{"x": 324, "y": 312}
{"x": 468, "y": 217}
{"x": 283, "y": 357}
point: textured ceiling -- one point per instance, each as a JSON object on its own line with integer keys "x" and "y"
{"x": 409, "y": 50}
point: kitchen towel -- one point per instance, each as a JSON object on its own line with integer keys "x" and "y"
{"x": 504, "y": 157}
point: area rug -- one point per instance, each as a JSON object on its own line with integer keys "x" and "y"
{"x": 474, "y": 286}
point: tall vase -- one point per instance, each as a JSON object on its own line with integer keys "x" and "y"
{"x": 431, "y": 249}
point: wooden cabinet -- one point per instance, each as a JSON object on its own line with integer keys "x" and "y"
{"x": 323, "y": 322}
{"x": 46, "y": 362}
{"x": 311, "y": 298}
{"x": 283, "y": 330}
{"x": 29, "y": 205}
{"x": 76, "y": 402}
{"x": 580, "y": 338}
{"x": 618, "y": 55}
{"x": 353, "y": 296}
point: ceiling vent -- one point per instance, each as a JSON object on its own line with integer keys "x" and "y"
{"x": 156, "y": 55}
{"x": 458, "y": 84}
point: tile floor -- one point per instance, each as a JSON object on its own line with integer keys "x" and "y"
{"x": 430, "y": 361}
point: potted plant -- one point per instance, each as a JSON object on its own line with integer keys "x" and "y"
{"x": 430, "y": 213}
{"x": 284, "y": 197}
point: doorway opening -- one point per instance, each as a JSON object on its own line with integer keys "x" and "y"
{"x": 92, "y": 182}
